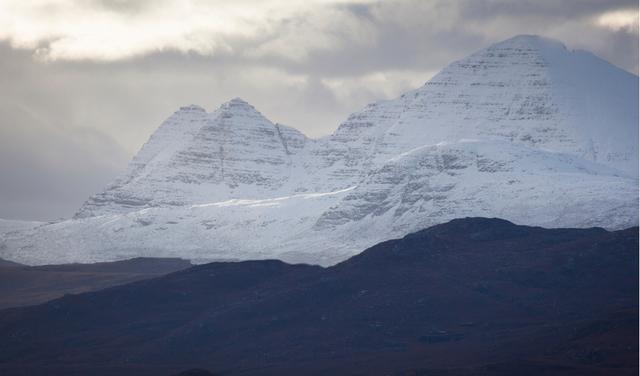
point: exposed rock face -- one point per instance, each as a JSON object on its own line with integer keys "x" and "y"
{"x": 525, "y": 130}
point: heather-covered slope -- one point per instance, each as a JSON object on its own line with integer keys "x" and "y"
{"x": 472, "y": 296}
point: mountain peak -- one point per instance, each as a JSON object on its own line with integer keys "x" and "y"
{"x": 191, "y": 108}
{"x": 531, "y": 40}
{"x": 523, "y": 129}
{"x": 236, "y": 103}
{"x": 238, "y": 100}
{"x": 238, "y": 107}
{"x": 527, "y": 89}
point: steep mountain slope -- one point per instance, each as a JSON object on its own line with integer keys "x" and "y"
{"x": 439, "y": 182}
{"x": 472, "y": 296}
{"x": 198, "y": 157}
{"x": 525, "y": 130}
{"x": 419, "y": 188}
{"x": 527, "y": 90}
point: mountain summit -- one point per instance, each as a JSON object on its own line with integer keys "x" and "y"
{"x": 527, "y": 90}
{"x": 197, "y": 157}
{"x": 525, "y": 130}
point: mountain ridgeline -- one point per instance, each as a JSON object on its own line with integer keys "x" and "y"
{"x": 525, "y": 130}
{"x": 22, "y": 285}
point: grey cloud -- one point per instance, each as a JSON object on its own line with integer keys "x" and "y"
{"x": 67, "y": 129}
{"x": 47, "y": 169}
{"x": 126, "y": 6}
{"x": 541, "y": 8}
{"x": 426, "y": 36}
{"x": 410, "y": 34}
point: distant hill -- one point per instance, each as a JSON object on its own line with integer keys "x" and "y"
{"x": 22, "y": 285}
{"x": 468, "y": 297}
{"x": 9, "y": 264}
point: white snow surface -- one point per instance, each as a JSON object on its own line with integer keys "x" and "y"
{"x": 10, "y": 225}
{"x": 524, "y": 130}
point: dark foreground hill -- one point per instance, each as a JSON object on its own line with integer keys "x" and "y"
{"x": 472, "y": 296}
{"x": 22, "y": 285}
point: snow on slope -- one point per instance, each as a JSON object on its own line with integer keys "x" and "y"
{"x": 524, "y": 130}
{"x": 422, "y": 187}
{"x": 526, "y": 90}
{"x": 198, "y": 157}
{"x": 417, "y": 189}
{"x": 8, "y": 225}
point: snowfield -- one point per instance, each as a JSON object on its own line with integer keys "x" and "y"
{"x": 524, "y": 130}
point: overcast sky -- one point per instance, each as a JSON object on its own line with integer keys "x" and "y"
{"x": 84, "y": 83}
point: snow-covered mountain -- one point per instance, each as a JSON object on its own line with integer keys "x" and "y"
{"x": 200, "y": 157}
{"x": 525, "y": 130}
